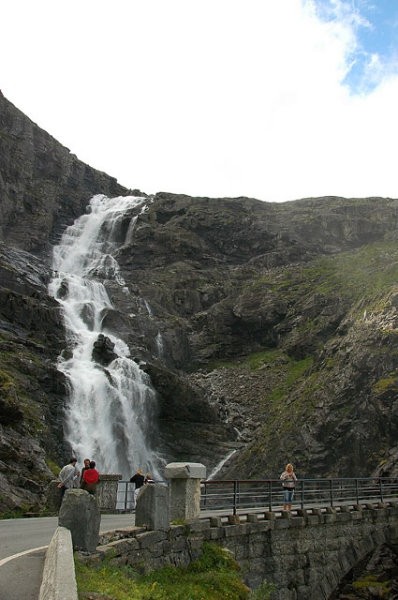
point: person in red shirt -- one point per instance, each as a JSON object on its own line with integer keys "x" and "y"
{"x": 90, "y": 479}
{"x": 86, "y": 464}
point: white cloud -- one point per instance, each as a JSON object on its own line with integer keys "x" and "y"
{"x": 217, "y": 97}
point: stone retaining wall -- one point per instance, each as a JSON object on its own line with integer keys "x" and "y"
{"x": 306, "y": 554}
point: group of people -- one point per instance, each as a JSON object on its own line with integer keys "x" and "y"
{"x": 88, "y": 479}
{"x": 70, "y": 477}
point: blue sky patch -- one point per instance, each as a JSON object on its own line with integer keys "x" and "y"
{"x": 375, "y": 26}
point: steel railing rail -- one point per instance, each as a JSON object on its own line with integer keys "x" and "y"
{"x": 266, "y": 494}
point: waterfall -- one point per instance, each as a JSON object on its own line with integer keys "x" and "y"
{"x": 110, "y": 409}
{"x": 159, "y": 338}
{"x": 220, "y": 465}
{"x": 159, "y": 345}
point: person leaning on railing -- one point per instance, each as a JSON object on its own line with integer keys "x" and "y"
{"x": 68, "y": 476}
{"x": 288, "y": 478}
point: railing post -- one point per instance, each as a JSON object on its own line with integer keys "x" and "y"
{"x": 381, "y": 489}
{"x": 235, "y": 496}
{"x": 302, "y": 493}
{"x": 270, "y": 495}
{"x": 356, "y": 491}
{"x": 331, "y": 491}
{"x": 125, "y": 494}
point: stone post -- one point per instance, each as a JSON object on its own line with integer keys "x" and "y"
{"x": 53, "y": 497}
{"x": 184, "y": 489}
{"x": 152, "y": 510}
{"x": 106, "y": 492}
{"x": 80, "y": 514}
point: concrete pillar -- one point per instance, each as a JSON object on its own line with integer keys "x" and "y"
{"x": 106, "y": 492}
{"x": 184, "y": 487}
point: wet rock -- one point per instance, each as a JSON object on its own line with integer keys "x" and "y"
{"x": 103, "y": 350}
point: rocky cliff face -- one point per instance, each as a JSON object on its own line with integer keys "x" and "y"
{"x": 269, "y": 330}
{"x": 283, "y": 315}
{"x": 31, "y": 389}
{"x": 43, "y": 187}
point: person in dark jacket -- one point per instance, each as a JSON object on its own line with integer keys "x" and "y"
{"x": 86, "y": 466}
{"x": 138, "y": 479}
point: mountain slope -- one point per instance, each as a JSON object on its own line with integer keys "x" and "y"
{"x": 269, "y": 330}
{"x": 236, "y": 281}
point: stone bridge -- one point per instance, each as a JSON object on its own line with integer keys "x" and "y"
{"x": 305, "y": 555}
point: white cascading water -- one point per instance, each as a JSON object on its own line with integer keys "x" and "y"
{"x": 110, "y": 410}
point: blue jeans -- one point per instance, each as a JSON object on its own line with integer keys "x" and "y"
{"x": 288, "y": 495}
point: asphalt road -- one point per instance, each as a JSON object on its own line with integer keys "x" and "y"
{"x": 23, "y": 544}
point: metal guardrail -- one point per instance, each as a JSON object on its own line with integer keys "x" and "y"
{"x": 125, "y": 496}
{"x": 266, "y": 494}
{"x": 244, "y": 494}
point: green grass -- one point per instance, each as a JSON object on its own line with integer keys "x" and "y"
{"x": 17, "y": 369}
{"x": 214, "y": 576}
{"x": 254, "y": 361}
{"x": 382, "y": 588}
{"x": 387, "y": 383}
{"x": 53, "y": 466}
{"x": 12, "y": 514}
{"x": 259, "y": 359}
{"x": 294, "y": 371}
{"x": 367, "y": 272}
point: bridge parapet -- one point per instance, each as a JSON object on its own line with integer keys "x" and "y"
{"x": 306, "y": 554}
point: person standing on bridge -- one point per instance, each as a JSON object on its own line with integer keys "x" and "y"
{"x": 288, "y": 478}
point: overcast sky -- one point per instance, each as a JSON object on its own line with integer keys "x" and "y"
{"x": 272, "y": 99}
